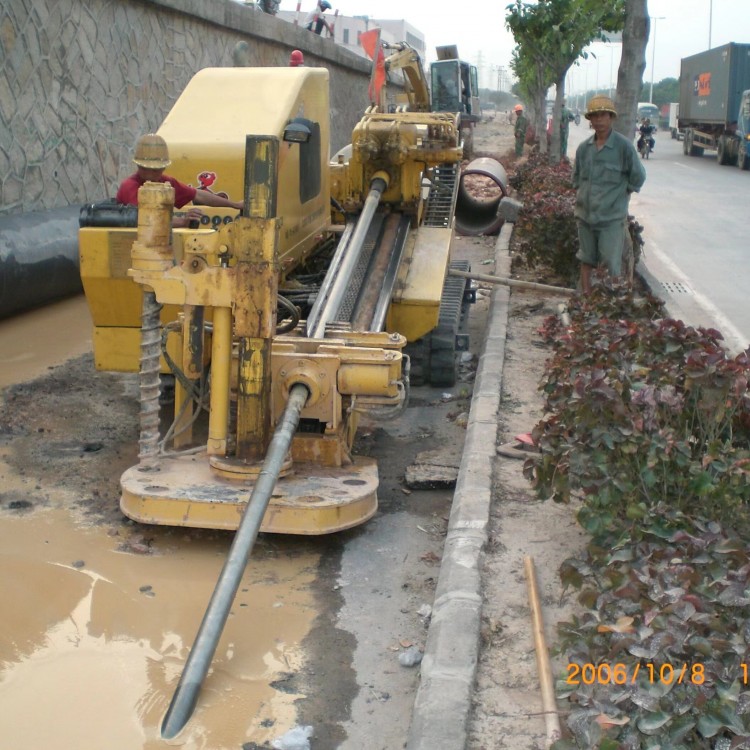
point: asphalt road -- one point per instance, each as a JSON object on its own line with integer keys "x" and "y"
{"x": 694, "y": 214}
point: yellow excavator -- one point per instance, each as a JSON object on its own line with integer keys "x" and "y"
{"x": 454, "y": 86}
{"x": 327, "y": 295}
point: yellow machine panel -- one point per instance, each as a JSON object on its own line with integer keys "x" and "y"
{"x": 208, "y": 124}
{"x": 206, "y": 134}
{"x": 416, "y": 301}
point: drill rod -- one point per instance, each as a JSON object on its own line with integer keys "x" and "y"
{"x": 514, "y": 283}
{"x": 349, "y": 262}
{"x": 186, "y": 696}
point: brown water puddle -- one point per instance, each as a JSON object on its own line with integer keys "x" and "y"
{"x": 34, "y": 341}
{"x": 94, "y": 640}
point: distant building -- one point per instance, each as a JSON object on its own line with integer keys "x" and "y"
{"x": 346, "y": 30}
{"x": 403, "y": 31}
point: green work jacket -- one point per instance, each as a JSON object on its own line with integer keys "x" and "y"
{"x": 520, "y": 129}
{"x": 605, "y": 178}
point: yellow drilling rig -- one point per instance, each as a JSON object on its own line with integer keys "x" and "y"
{"x": 329, "y": 291}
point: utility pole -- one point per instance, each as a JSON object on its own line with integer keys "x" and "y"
{"x": 653, "y": 57}
{"x": 480, "y": 67}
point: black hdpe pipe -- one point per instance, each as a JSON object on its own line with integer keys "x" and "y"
{"x": 476, "y": 216}
{"x": 199, "y": 660}
{"x": 108, "y": 213}
{"x": 38, "y": 259}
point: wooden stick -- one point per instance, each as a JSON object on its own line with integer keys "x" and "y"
{"x": 515, "y": 283}
{"x": 549, "y": 702}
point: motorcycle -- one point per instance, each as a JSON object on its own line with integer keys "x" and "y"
{"x": 645, "y": 147}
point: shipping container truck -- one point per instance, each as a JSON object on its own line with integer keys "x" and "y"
{"x": 715, "y": 104}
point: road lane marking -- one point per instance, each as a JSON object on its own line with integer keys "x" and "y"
{"x": 684, "y": 166}
{"x": 734, "y": 340}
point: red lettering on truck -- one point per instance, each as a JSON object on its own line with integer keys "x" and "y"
{"x": 702, "y": 85}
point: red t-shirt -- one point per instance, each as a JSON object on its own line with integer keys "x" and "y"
{"x": 128, "y": 191}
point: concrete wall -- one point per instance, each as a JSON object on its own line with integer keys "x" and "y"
{"x": 80, "y": 80}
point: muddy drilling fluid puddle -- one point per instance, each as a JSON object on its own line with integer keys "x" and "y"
{"x": 94, "y": 640}
{"x": 32, "y": 342}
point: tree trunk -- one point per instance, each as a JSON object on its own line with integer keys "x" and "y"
{"x": 555, "y": 142}
{"x": 632, "y": 64}
{"x": 541, "y": 121}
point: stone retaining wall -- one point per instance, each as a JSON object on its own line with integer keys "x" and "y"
{"x": 80, "y": 80}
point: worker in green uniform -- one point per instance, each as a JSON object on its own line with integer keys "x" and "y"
{"x": 607, "y": 171}
{"x": 519, "y": 131}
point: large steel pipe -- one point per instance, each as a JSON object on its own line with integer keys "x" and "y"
{"x": 38, "y": 259}
{"x": 477, "y": 214}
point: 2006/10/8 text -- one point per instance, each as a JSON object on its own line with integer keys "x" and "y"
{"x": 624, "y": 674}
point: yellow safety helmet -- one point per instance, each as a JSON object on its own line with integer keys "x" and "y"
{"x": 600, "y": 103}
{"x": 151, "y": 152}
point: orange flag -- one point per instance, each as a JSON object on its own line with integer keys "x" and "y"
{"x": 370, "y": 41}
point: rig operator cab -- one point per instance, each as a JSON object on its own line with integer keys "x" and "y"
{"x": 455, "y": 88}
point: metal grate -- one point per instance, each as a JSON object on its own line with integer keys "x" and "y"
{"x": 676, "y": 287}
{"x": 442, "y": 196}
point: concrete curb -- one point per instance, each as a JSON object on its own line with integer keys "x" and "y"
{"x": 655, "y": 287}
{"x": 443, "y": 702}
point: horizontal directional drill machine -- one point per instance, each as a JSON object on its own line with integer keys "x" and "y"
{"x": 285, "y": 323}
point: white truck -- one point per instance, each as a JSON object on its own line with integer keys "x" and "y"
{"x": 674, "y": 113}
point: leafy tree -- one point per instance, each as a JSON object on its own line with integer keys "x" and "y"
{"x": 501, "y": 99}
{"x": 550, "y": 36}
{"x": 665, "y": 91}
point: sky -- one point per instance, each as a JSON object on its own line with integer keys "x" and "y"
{"x": 478, "y": 28}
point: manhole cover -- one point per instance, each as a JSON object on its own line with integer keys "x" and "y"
{"x": 676, "y": 287}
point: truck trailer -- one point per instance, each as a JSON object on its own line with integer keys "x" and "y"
{"x": 714, "y": 103}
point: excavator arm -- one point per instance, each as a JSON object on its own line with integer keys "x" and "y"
{"x": 406, "y": 59}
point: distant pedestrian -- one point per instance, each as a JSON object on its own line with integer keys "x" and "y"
{"x": 315, "y": 20}
{"x": 566, "y": 117}
{"x": 607, "y": 170}
{"x": 519, "y": 131}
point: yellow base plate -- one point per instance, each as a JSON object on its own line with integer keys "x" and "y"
{"x": 185, "y": 491}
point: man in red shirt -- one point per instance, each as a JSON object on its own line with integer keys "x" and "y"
{"x": 152, "y": 158}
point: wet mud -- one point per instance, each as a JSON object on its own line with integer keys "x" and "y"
{"x": 100, "y": 612}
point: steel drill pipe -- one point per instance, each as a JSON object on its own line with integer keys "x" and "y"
{"x": 378, "y": 186}
{"x": 186, "y": 696}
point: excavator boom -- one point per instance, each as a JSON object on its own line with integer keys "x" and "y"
{"x": 407, "y": 60}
